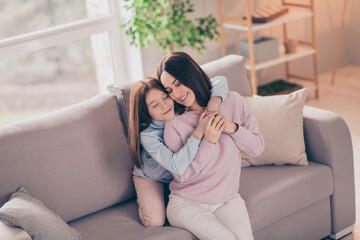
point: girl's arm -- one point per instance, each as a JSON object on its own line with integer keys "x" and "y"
{"x": 176, "y": 162}
{"x": 206, "y": 150}
{"x": 220, "y": 87}
{"x": 247, "y": 136}
{"x": 218, "y": 91}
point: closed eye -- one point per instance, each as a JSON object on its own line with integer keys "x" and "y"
{"x": 155, "y": 106}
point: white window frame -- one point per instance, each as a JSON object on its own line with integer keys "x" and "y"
{"x": 123, "y": 56}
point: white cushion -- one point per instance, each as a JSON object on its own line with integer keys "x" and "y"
{"x": 280, "y": 120}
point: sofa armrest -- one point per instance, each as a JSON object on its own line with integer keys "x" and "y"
{"x": 328, "y": 141}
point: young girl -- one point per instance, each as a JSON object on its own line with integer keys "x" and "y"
{"x": 205, "y": 199}
{"x": 150, "y": 106}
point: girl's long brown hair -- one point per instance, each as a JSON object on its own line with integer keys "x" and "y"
{"x": 139, "y": 117}
{"x": 183, "y": 68}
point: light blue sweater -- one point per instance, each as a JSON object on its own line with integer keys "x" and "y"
{"x": 158, "y": 158}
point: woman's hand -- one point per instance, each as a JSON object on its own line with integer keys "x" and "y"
{"x": 214, "y": 127}
{"x": 230, "y": 127}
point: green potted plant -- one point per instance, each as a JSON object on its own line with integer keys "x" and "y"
{"x": 166, "y": 22}
{"x": 278, "y": 87}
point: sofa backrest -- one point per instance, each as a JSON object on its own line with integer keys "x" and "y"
{"x": 230, "y": 66}
{"x": 75, "y": 160}
{"x": 233, "y": 68}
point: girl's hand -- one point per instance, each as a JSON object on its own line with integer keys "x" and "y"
{"x": 214, "y": 126}
{"x": 199, "y": 130}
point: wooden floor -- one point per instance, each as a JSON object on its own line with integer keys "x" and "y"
{"x": 343, "y": 98}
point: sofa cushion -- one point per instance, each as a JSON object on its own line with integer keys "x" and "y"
{"x": 273, "y": 192}
{"x": 122, "y": 222}
{"x": 76, "y": 160}
{"x": 280, "y": 120}
{"x": 310, "y": 223}
{"x": 24, "y": 211}
{"x": 122, "y": 93}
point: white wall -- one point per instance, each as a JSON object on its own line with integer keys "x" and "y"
{"x": 328, "y": 16}
{"x": 152, "y": 54}
{"x": 352, "y": 33}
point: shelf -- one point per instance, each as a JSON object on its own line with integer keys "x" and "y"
{"x": 291, "y": 16}
{"x": 297, "y": 11}
{"x": 303, "y": 50}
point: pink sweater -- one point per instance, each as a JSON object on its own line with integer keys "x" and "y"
{"x": 214, "y": 174}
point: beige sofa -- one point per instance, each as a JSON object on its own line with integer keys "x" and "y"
{"x": 76, "y": 161}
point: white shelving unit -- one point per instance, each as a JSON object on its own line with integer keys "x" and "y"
{"x": 305, "y": 48}
{"x": 291, "y": 16}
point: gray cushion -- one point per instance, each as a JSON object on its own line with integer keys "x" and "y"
{"x": 76, "y": 160}
{"x": 273, "y": 192}
{"x": 122, "y": 93}
{"x": 312, "y": 222}
{"x": 121, "y": 222}
{"x": 24, "y": 211}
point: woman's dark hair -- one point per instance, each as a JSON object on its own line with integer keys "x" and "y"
{"x": 183, "y": 68}
{"x": 139, "y": 117}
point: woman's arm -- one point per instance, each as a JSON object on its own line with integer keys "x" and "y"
{"x": 247, "y": 135}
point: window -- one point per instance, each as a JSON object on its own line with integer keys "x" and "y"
{"x": 54, "y": 53}
{"x": 19, "y": 17}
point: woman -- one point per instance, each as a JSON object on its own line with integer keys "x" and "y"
{"x": 205, "y": 199}
{"x": 150, "y": 106}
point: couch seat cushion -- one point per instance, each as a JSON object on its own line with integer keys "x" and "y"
{"x": 122, "y": 222}
{"x": 273, "y": 192}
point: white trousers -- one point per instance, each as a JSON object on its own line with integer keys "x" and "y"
{"x": 228, "y": 220}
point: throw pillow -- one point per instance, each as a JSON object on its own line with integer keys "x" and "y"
{"x": 24, "y": 211}
{"x": 280, "y": 120}
{"x": 122, "y": 93}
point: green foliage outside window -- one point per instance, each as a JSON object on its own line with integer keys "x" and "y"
{"x": 166, "y": 22}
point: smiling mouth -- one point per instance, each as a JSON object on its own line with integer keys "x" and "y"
{"x": 184, "y": 97}
{"x": 167, "y": 111}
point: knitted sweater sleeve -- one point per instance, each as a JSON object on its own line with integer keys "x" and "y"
{"x": 248, "y": 137}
